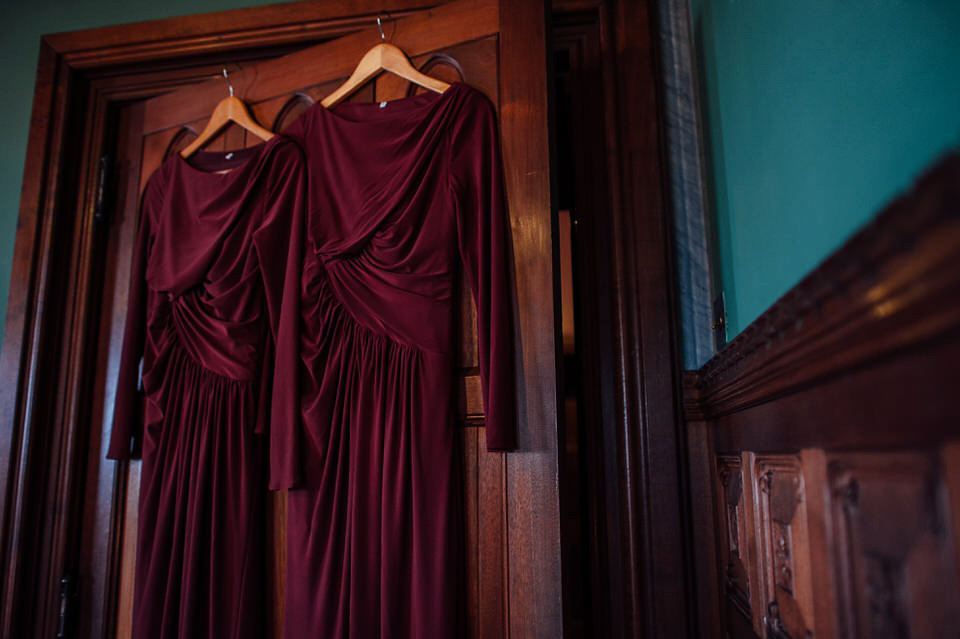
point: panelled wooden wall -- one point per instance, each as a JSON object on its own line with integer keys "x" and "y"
{"x": 823, "y": 442}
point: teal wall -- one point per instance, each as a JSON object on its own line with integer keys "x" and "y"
{"x": 24, "y": 22}
{"x": 817, "y": 112}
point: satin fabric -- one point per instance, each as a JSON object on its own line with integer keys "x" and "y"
{"x": 400, "y": 194}
{"x": 214, "y": 294}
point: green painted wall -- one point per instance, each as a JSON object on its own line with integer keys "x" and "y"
{"x": 817, "y": 113}
{"x": 24, "y": 22}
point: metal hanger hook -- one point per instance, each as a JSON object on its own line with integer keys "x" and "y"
{"x": 383, "y": 15}
{"x": 226, "y": 77}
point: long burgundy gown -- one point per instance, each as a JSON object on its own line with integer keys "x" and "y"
{"x": 214, "y": 290}
{"x": 399, "y": 194}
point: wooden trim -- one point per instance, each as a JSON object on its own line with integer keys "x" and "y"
{"x": 893, "y": 286}
{"x": 637, "y": 513}
{"x": 532, "y": 476}
{"x": 654, "y": 498}
{"x": 237, "y": 29}
{"x": 577, "y": 33}
{"x": 705, "y": 529}
{"x": 25, "y": 342}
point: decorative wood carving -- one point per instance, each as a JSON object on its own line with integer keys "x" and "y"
{"x": 862, "y": 355}
{"x": 784, "y": 552}
{"x": 894, "y": 561}
{"x": 734, "y": 556}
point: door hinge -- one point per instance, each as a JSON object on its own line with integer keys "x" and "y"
{"x": 104, "y": 189}
{"x": 68, "y": 598}
{"x": 719, "y": 325}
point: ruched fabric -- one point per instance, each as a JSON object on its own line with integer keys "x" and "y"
{"x": 400, "y": 195}
{"x": 214, "y": 295}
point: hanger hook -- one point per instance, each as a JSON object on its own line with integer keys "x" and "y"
{"x": 226, "y": 77}
{"x": 383, "y": 15}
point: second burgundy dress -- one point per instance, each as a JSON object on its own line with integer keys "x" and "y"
{"x": 400, "y": 194}
{"x": 213, "y": 294}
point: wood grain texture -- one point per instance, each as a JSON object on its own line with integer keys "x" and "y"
{"x": 822, "y": 543}
{"x": 27, "y": 347}
{"x": 493, "y": 605}
{"x": 657, "y": 597}
{"x": 584, "y": 186}
{"x": 69, "y": 391}
{"x": 635, "y": 461}
{"x": 533, "y": 518}
{"x": 236, "y": 29}
{"x": 128, "y": 545}
{"x": 706, "y": 527}
{"x": 105, "y": 565}
{"x": 421, "y": 33}
{"x": 950, "y": 463}
{"x": 105, "y": 489}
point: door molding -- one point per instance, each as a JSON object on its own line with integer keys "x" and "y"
{"x": 634, "y": 449}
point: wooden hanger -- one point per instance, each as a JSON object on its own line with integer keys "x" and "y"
{"x": 382, "y": 57}
{"x": 230, "y": 109}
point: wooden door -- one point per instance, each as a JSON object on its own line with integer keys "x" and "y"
{"x": 511, "y": 501}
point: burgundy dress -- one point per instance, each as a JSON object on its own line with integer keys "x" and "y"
{"x": 214, "y": 290}
{"x": 399, "y": 194}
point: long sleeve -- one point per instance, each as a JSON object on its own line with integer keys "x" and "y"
{"x": 485, "y": 248}
{"x": 127, "y": 411}
{"x": 279, "y": 244}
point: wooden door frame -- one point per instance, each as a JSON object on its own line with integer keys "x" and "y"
{"x": 51, "y": 320}
{"x": 637, "y": 510}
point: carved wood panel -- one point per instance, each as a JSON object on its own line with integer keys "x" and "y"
{"x": 736, "y": 542}
{"x": 784, "y": 561}
{"x": 846, "y": 391}
{"x": 839, "y": 544}
{"x": 894, "y": 556}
